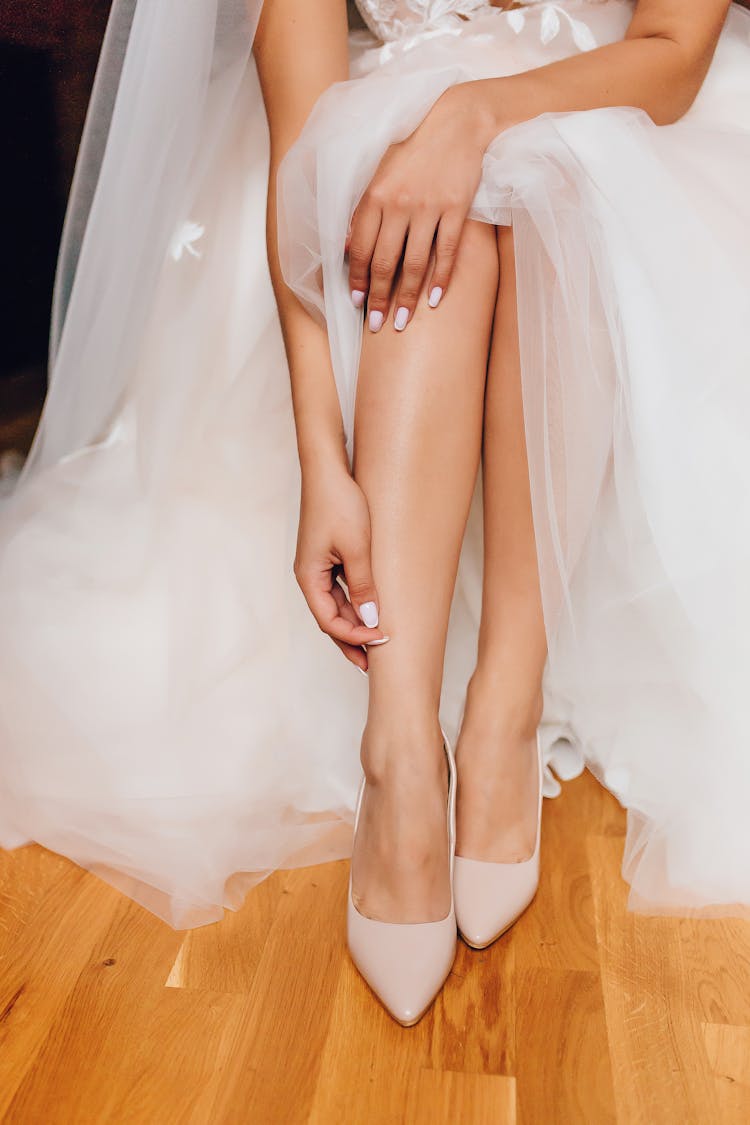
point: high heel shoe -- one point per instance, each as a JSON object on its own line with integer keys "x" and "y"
{"x": 406, "y": 964}
{"x": 490, "y": 897}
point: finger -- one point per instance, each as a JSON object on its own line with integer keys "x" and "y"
{"x": 365, "y": 227}
{"x": 416, "y": 259}
{"x": 345, "y": 607}
{"x": 361, "y": 585}
{"x": 385, "y": 259}
{"x": 355, "y": 653}
{"x": 446, "y": 249}
{"x": 347, "y": 610}
{"x": 317, "y": 590}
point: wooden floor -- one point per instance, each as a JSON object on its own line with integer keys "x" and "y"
{"x": 581, "y": 1013}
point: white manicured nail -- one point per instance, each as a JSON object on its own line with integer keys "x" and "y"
{"x": 376, "y": 320}
{"x": 360, "y": 669}
{"x": 402, "y": 315}
{"x": 358, "y": 298}
{"x": 368, "y": 611}
{"x": 434, "y": 299}
{"x": 381, "y": 641}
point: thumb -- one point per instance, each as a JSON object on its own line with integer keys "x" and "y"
{"x": 361, "y": 587}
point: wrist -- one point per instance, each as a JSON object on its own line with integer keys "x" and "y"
{"x": 321, "y": 455}
{"x": 478, "y": 100}
{"x": 489, "y": 103}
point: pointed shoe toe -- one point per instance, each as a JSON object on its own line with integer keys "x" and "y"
{"x": 406, "y": 964}
{"x": 490, "y": 897}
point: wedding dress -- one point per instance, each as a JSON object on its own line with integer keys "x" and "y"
{"x": 171, "y": 717}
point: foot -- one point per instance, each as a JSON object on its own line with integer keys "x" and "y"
{"x": 401, "y": 858}
{"x": 496, "y": 757}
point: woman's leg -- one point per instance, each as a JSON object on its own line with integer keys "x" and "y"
{"x": 496, "y": 753}
{"x": 418, "y": 425}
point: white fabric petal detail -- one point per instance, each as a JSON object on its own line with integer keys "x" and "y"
{"x": 582, "y": 35}
{"x": 517, "y": 20}
{"x": 184, "y": 238}
{"x": 550, "y": 25}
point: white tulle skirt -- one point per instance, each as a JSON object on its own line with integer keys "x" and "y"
{"x": 170, "y": 715}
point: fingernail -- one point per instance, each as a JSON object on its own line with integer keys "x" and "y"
{"x": 376, "y": 320}
{"x": 358, "y": 298}
{"x": 434, "y": 298}
{"x": 380, "y": 641}
{"x": 402, "y": 315}
{"x": 368, "y": 611}
{"x": 360, "y": 669}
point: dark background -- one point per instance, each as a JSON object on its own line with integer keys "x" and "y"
{"x": 48, "y": 55}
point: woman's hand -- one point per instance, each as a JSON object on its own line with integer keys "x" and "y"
{"x": 420, "y": 194}
{"x": 334, "y": 540}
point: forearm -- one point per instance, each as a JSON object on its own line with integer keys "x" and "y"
{"x": 659, "y": 67}
{"x": 300, "y": 50}
{"x": 317, "y": 411}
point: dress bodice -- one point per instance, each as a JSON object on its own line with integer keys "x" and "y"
{"x": 392, "y": 19}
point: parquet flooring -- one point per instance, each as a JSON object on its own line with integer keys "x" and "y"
{"x": 583, "y": 1013}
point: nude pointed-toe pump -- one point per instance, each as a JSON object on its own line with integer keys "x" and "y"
{"x": 406, "y": 964}
{"x": 490, "y": 897}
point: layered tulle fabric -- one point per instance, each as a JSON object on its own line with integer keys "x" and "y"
{"x": 170, "y": 715}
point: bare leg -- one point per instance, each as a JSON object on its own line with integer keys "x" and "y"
{"x": 496, "y": 751}
{"x": 418, "y": 425}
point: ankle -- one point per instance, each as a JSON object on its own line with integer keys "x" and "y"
{"x": 506, "y": 708}
{"x": 408, "y": 747}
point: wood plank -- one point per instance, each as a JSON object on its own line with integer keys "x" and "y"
{"x": 557, "y": 931}
{"x": 224, "y": 957}
{"x": 367, "y": 1078}
{"x": 78, "y": 1074}
{"x": 446, "y": 1097}
{"x": 716, "y": 953}
{"x": 26, "y": 877}
{"x": 273, "y": 1070}
{"x": 415, "y": 1074}
{"x": 563, "y": 1073}
{"x": 659, "y": 1063}
{"x": 476, "y": 1029}
{"x": 52, "y": 943}
{"x": 728, "y": 1050}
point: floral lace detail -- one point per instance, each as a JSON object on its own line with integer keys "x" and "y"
{"x": 391, "y": 20}
{"x": 552, "y": 18}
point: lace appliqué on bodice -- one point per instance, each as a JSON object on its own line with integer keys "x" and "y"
{"x": 395, "y": 19}
{"x": 391, "y": 19}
